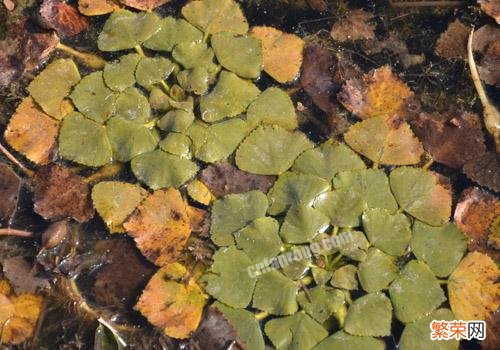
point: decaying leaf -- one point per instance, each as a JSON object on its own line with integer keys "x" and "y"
{"x": 282, "y": 53}
{"x": 370, "y": 315}
{"x": 18, "y": 315}
{"x": 214, "y": 16}
{"x": 97, "y": 7}
{"x": 52, "y": 85}
{"x": 484, "y": 170}
{"x": 224, "y": 178}
{"x": 22, "y": 275}
{"x": 453, "y": 42}
{"x": 32, "y": 133}
{"x": 385, "y": 141}
{"x": 62, "y": 17}
{"x": 420, "y": 193}
{"x": 160, "y": 226}
{"x": 488, "y": 66}
{"x": 10, "y": 185}
{"x": 474, "y": 214}
{"x": 270, "y": 150}
{"x": 144, "y": 5}
{"x": 452, "y": 139}
{"x": 115, "y": 201}
{"x": 473, "y": 287}
{"x": 491, "y": 8}
{"x": 354, "y": 26}
{"x": 60, "y": 194}
{"x": 379, "y": 93}
{"x": 173, "y": 301}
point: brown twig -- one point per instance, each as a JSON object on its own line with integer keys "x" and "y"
{"x": 14, "y": 232}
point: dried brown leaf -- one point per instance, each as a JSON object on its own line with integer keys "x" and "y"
{"x": 60, "y": 194}
{"x": 215, "y": 332}
{"x": 489, "y": 66}
{"x": 451, "y": 138}
{"x": 22, "y": 275}
{"x": 224, "y": 178}
{"x": 62, "y": 17}
{"x": 491, "y": 8}
{"x": 453, "y": 41}
{"x": 484, "y": 170}
{"x": 10, "y": 185}
{"x": 354, "y": 26}
{"x": 397, "y": 46}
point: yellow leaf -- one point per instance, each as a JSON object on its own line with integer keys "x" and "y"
{"x": 96, "y": 7}
{"x": 473, "y": 287}
{"x": 199, "y": 192}
{"x": 160, "y": 226}
{"x": 282, "y": 53}
{"x": 32, "y": 133}
{"x": 172, "y": 301}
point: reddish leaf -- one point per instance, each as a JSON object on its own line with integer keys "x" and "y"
{"x": 224, "y": 178}
{"x": 10, "y": 185}
{"x": 484, "y": 170}
{"x": 318, "y": 5}
{"x": 491, "y": 8}
{"x": 144, "y": 5}
{"x": 354, "y": 26}
{"x": 62, "y": 17}
{"x": 453, "y": 42}
{"x": 474, "y": 214}
{"x": 60, "y": 194}
{"x": 451, "y": 138}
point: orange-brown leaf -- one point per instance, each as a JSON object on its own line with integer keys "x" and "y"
{"x": 354, "y": 26}
{"x": 173, "y": 301}
{"x": 62, "y": 17}
{"x": 160, "y": 226}
{"x": 32, "y": 133}
{"x": 144, "y": 5}
{"x": 282, "y": 53}
{"x": 378, "y": 93}
{"x": 96, "y": 7}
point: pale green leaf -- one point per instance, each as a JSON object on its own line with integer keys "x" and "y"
{"x": 195, "y": 54}
{"x": 355, "y": 245}
{"x": 345, "y": 277}
{"x": 176, "y": 120}
{"x": 343, "y": 341}
{"x": 320, "y": 275}
{"x": 172, "y": 32}
{"x": 196, "y": 80}
{"x": 302, "y": 223}
{"x": 273, "y": 106}
{"x": 153, "y": 70}
{"x": 343, "y": 207}
{"x": 132, "y": 105}
{"x": 276, "y": 294}
{"x": 259, "y": 239}
{"x": 321, "y": 302}
{"x": 120, "y": 74}
{"x": 370, "y": 315}
{"x": 177, "y": 144}
{"x": 377, "y": 271}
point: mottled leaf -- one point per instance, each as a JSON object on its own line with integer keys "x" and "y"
{"x": 213, "y": 16}
{"x": 370, "y": 315}
{"x": 377, "y": 271}
{"x": 158, "y": 169}
{"x": 420, "y": 194}
{"x": 230, "y": 97}
{"x": 233, "y": 212}
{"x": 52, "y": 85}
{"x": 321, "y": 302}
{"x": 282, "y": 53}
{"x": 345, "y": 277}
{"x": 302, "y": 224}
{"x": 343, "y": 207}
{"x": 172, "y": 32}
{"x": 153, "y": 70}
{"x": 415, "y": 292}
{"x": 120, "y": 74}
{"x": 273, "y": 106}
{"x": 115, "y": 201}
{"x": 227, "y": 280}
{"x": 259, "y": 239}
{"x": 270, "y": 150}
{"x": 342, "y": 340}
{"x": 276, "y": 294}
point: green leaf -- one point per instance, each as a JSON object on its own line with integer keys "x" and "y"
{"x": 53, "y": 84}
{"x": 420, "y": 194}
{"x": 153, "y": 70}
{"x": 297, "y": 268}
{"x": 295, "y": 189}
{"x": 228, "y": 280}
{"x": 356, "y": 246}
{"x": 245, "y": 323}
{"x": 125, "y": 30}
{"x": 172, "y": 32}
{"x": 342, "y": 340}
{"x": 115, "y": 201}
{"x": 177, "y": 120}
{"x": 376, "y": 271}
{"x": 371, "y": 184}
{"x": 215, "y": 142}
{"x": 416, "y": 335}
{"x": 321, "y": 302}
{"x": 441, "y": 248}
{"x": 343, "y": 207}
{"x": 276, "y": 294}
{"x": 370, "y": 315}
{"x": 321, "y": 276}
{"x": 84, "y": 141}
{"x": 196, "y": 80}
{"x": 241, "y": 54}
{"x": 271, "y": 150}
{"x": 158, "y": 169}
{"x": 388, "y": 232}
{"x": 177, "y": 144}
{"x": 93, "y": 98}
{"x": 345, "y": 277}
{"x": 416, "y": 292}
{"x": 129, "y": 139}
{"x": 296, "y": 332}
{"x": 213, "y": 16}
{"x": 327, "y": 160}
{"x": 132, "y": 105}
{"x": 273, "y": 106}
{"x": 120, "y": 74}
{"x": 195, "y": 54}
{"x": 303, "y": 223}
{"x": 230, "y": 97}
{"x": 259, "y": 239}
{"x": 233, "y": 212}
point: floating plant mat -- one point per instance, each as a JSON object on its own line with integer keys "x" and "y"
{"x": 215, "y": 217}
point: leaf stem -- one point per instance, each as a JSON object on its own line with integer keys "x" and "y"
{"x": 261, "y": 315}
{"x": 89, "y": 59}
{"x": 14, "y": 232}
{"x": 335, "y": 230}
{"x": 428, "y": 164}
{"x": 14, "y": 160}
{"x": 139, "y": 50}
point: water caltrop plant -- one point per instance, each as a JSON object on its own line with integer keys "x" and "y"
{"x": 183, "y": 95}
